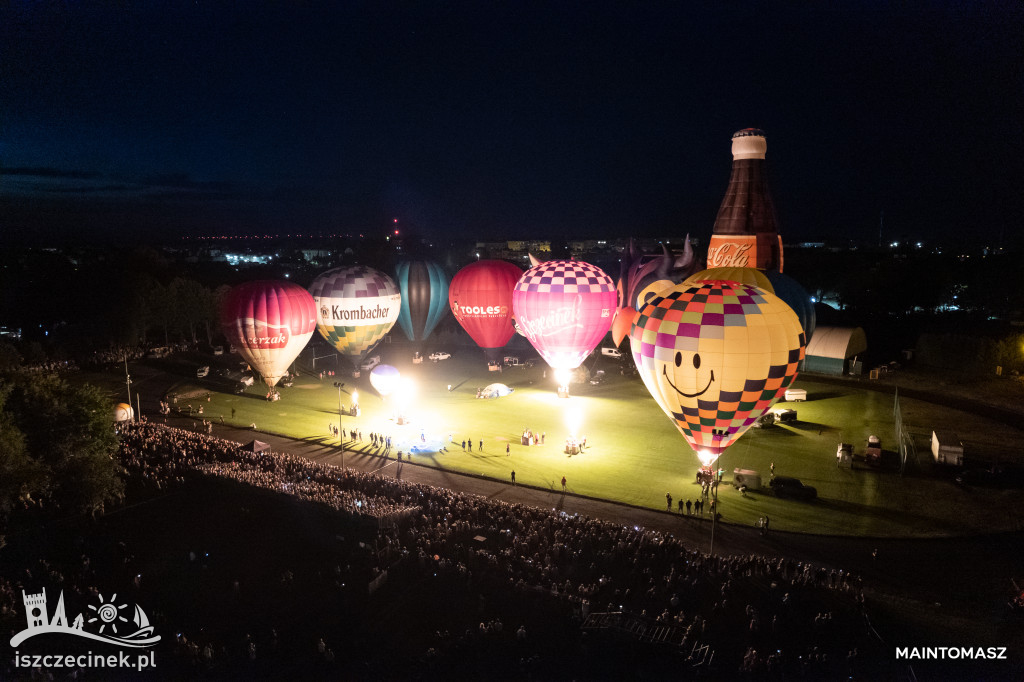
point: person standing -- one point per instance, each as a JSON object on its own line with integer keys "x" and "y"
{"x": 688, "y": 508}
{"x": 563, "y": 484}
{"x": 766, "y": 522}
{"x": 513, "y": 477}
{"x": 668, "y": 498}
{"x": 481, "y": 446}
{"x": 508, "y": 449}
{"x": 463, "y": 444}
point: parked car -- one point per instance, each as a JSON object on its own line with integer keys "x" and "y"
{"x": 218, "y": 350}
{"x": 598, "y": 377}
{"x": 786, "y": 486}
{"x": 203, "y": 372}
{"x": 611, "y": 352}
{"x": 369, "y": 363}
{"x": 439, "y": 355}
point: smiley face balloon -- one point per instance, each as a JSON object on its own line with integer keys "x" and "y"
{"x": 716, "y": 355}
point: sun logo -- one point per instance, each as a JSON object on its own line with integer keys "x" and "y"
{"x": 107, "y": 614}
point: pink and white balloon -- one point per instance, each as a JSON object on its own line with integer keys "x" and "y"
{"x": 564, "y": 308}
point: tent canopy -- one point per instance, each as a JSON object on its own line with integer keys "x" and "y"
{"x": 495, "y": 391}
{"x": 837, "y": 342}
{"x": 256, "y": 446}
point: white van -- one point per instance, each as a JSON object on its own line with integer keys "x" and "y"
{"x": 611, "y": 352}
{"x": 796, "y": 395}
{"x": 369, "y": 363}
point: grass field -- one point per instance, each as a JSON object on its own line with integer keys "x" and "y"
{"x": 635, "y": 454}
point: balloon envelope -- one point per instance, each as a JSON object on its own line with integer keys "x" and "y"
{"x": 734, "y": 274}
{"x": 424, "y": 288}
{"x": 480, "y": 296}
{"x": 123, "y": 412}
{"x": 358, "y": 305}
{"x": 270, "y": 323}
{"x": 564, "y": 308}
{"x": 385, "y": 378}
{"x": 644, "y": 276}
{"x": 716, "y": 356}
{"x": 790, "y": 291}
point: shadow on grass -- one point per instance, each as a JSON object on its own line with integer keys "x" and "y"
{"x": 811, "y": 426}
{"x": 875, "y": 514}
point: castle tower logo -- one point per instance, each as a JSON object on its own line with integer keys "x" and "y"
{"x": 103, "y": 622}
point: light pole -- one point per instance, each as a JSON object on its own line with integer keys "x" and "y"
{"x": 341, "y": 438}
{"x": 128, "y": 385}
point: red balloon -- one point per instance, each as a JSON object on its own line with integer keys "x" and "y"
{"x": 480, "y": 296}
{"x": 270, "y": 322}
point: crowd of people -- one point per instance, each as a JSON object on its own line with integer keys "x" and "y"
{"x": 749, "y": 605}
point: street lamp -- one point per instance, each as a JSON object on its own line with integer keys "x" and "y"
{"x": 128, "y": 385}
{"x": 341, "y": 438}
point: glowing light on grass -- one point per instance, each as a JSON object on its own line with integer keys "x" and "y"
{"x": 574, "y": 420}
{"x": 405, "y": 394}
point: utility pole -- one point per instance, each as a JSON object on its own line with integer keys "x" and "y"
{"x": 128, "y": 385}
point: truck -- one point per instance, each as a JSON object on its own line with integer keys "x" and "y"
{"x": 873, "y": 452}
{"x": 947, "y": 448}
{"x": 844, "y": 456}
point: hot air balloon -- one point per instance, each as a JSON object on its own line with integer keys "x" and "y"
{"x": 716, "y": 355}
{"x": 564, "y": 308}
{"x": 385, "y": 379}
{"x": 358, "y": 305}
{"x": 123, "y": 412}
{"x": 424, "y": 288}
{"x": 734, "y": 274}
{"x": 270, "y": 323}
{"x": 790, "y": 291}
{"x": 642, "y": 277}
{"x": 480, "y": 296}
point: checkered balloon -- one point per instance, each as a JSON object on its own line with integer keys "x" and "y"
{"x": 564, "y": 308}
{"x": 356, "y": 307}
{"x": 716, "y": 355}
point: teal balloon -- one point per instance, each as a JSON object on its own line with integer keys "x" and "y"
{"x": 794, "y": 295}
{"x": 424, "y": 287}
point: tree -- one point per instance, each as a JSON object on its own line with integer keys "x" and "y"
{"x": 20, "y": 477}
{"x": 69, "y": 440}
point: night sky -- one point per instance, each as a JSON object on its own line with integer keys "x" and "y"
{"x": 508, "y": 119}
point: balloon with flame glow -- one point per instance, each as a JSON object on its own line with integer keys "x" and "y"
{"x": 270, "y": 323}
{"x": 358, "y": 305}
{"x": 385, "y": 379}
{"x": 564, "y": 308}
{"x": 716, "y": 355}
